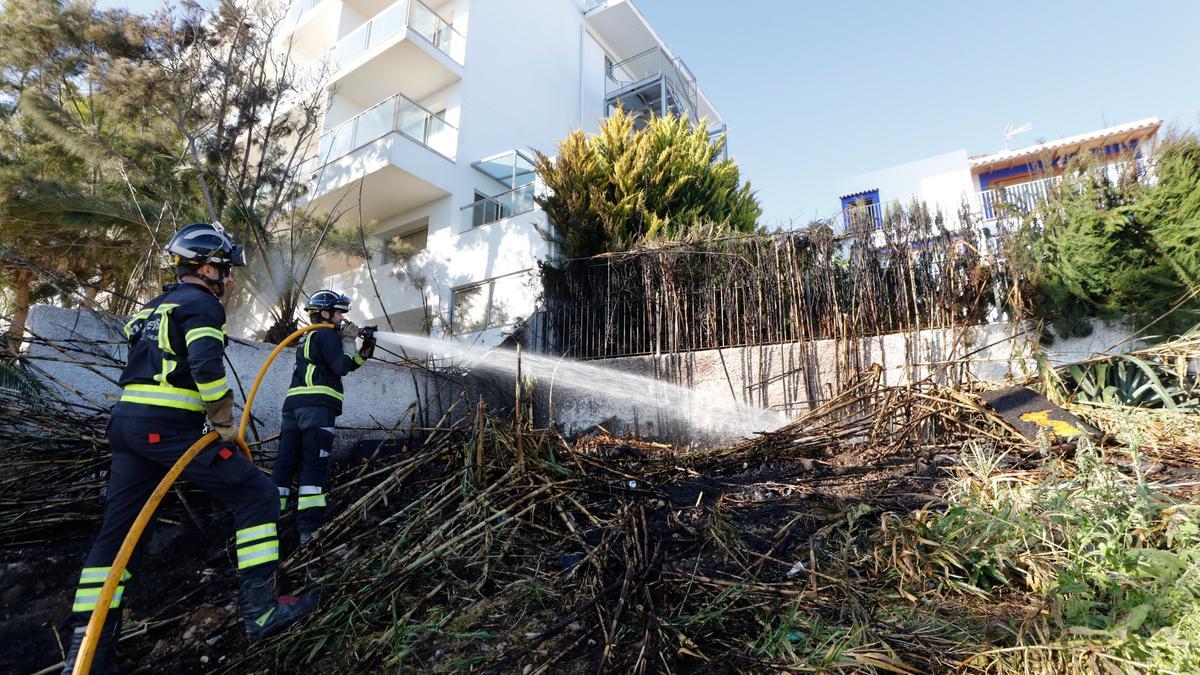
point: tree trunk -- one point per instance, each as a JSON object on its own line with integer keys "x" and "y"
{"x": 23, "y": 286}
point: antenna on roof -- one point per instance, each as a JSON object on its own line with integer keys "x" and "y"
{"x": 1011, "y": 132}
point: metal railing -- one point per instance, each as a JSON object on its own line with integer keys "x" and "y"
{"x": 411, "y": 14}
{"x": 859, "y": 217}
{"x": 507, "y": 204}
{"x": 1019, "y": 199}
{"x": 397, "y": 114}
{"x": 649, "y": 64}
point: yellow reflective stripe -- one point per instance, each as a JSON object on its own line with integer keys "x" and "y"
{"x": 318, "y": 389}
{"x": 356, "y": 358}
{"x": 310, "y": 501}
{"x": 211, "y": 391}
{"x": 308, "y": 374}
{"x": 164, "y": 333}
{"x": 249, "y": 534}
{"x": 258, "y": 554}
{"x": 85, "y": 599}
{"x": 168, "y": 397}
{"x": 203, "y": 332}
{"x": 98, "y": 575}
{"x": 168, "y": 367}
{"x": 140, "y": 316}
{"x": 307, "y": 342}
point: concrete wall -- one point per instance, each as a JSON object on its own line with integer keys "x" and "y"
{"x": 787, "y": 378}
{"x": 794, "y": 377}
{"x": 378, "y": 395}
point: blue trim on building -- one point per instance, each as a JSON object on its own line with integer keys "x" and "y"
{"x": 868, "y": 196}
{"x": 986, "y": 178}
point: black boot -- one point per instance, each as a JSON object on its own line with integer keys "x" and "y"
{"x": 104, "y": 659}
{"x": 262, "y": 612}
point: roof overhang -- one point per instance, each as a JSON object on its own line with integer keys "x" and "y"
{"x": 1120, "y": 134}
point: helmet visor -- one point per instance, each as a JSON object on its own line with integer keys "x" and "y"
{"x": 237, "y": 256}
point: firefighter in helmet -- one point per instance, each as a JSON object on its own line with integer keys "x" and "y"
{"x": 173, "y": 383}
{"x": 313, "y": 402}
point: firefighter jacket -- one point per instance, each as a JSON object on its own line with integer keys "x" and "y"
{"x": 176, "y": 350}
{"x": 320, "y": 365}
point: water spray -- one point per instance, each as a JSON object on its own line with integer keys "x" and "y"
{"x": 713, "y": 413}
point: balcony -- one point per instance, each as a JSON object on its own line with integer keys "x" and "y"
{"x": 863, "y": 217}
{"x": 499, "y": 207}
{"x": 402, "y": 153}
{"x": 406, "y": 46}
{"x": 1016, "y": 199}
{"x": 652, "y": 82}
{"x": 988, "y": 205}
{"x": 308, "y": 25}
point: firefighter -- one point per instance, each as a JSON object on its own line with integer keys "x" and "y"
{"x": 312, "y": 404}
{"x": 173, "y": 381}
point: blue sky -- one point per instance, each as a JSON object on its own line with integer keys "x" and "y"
{"x": 813, "y": 92}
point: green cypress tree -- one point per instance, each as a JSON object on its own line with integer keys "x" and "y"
{"x": 625, "y": 187}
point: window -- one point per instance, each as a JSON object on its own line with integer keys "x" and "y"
{"x": 409, "y": 240}
{"x": 470, "y": 310}
{"x": 484, "y": 210}
{"x": 498, "y": 302}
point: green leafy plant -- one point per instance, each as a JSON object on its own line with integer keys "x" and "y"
{"x": 626, "y": 186}
{"x": 1131, "y": 381}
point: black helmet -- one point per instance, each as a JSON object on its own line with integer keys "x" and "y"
{"x": 203, "y": 243}
{"x": 326, "y": 299}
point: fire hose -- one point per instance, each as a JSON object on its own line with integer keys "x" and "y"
{"x": 88, "y": 648}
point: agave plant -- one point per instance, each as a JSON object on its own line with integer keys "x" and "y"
{"x": 1130, "y": 380}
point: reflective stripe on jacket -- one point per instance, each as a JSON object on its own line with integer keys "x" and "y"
{"x": 176, "y": 354}
{"x": 320, "y": 365}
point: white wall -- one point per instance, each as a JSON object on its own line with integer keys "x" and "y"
{"x": 941, "y": 181}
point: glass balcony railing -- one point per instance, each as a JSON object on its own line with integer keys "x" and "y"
{"x": 397, "y": 114}
{"x": 295, "y": 11}
{"x": 504, "y": 205}
{"x": 410, "y": 14}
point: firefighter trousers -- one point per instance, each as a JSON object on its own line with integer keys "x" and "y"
{"x": 142, "y": 451}
{"x": 305, "y": 445}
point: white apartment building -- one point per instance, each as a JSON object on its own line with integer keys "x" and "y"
{"x": 1019, "y": 176}
{"x": 434, "y": 107}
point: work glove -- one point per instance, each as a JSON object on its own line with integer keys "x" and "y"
{"x": 220, "y": 417}
{"x": 367, "y": 350}
{"x": 348, "y": 332}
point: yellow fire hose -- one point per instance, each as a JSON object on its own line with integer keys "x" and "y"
{"x": 88, "y": 648}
